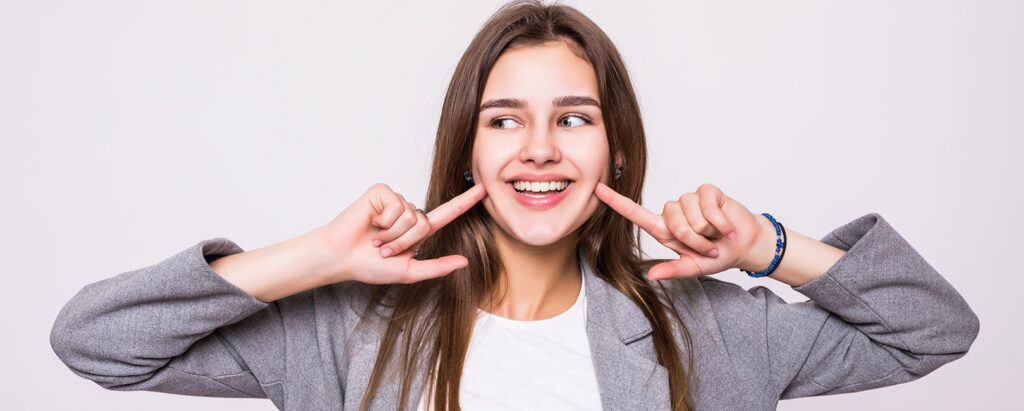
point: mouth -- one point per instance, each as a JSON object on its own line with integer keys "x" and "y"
{"x": 540, "y": 191}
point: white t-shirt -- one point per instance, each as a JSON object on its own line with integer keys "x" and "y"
{"x": 529, "y": 365}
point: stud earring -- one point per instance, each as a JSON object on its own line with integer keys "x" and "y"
{"x": 618, "y": 173}
{"x": 468, "y": 176}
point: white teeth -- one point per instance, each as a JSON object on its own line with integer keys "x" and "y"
{"x": 540, "y": 186}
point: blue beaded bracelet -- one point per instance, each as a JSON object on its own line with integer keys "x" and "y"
{"x": 780, "y": 248}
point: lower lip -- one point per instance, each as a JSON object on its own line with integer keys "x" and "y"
{"x": 540, "y": 202}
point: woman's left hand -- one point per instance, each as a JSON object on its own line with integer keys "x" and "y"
{"x": 710, "y": 231}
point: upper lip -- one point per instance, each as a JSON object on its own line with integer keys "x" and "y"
{"x": 539, "y": 177}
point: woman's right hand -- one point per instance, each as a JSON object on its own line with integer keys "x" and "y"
{"x": 373, "y": 240}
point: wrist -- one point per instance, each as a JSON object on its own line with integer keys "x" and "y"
{"x": 323, "y": 247}
{"x": 762, "y": 252}
{"x": 275, "y": 271}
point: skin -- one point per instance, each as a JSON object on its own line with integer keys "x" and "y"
{"x": 373, "y": 240}
{"x": 538, "y": 247}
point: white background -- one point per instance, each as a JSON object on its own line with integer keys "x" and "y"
{"x": 131, "y": 130}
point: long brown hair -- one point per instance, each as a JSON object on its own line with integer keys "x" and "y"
{"x": 437, "y": 315}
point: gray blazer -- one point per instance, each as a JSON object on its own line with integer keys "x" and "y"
{"x": 880, "y": 316}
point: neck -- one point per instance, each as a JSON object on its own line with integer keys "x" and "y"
{"x": 538, "y": 282}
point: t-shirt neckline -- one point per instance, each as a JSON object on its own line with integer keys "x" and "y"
{"x": 579, "y": 304}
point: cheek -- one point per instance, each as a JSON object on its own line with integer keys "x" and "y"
{"x": 590, "y": 159}
{"x": 489, "y": 156}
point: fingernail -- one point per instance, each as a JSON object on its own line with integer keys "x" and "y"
{"x": 732, "y": 235}
{"x": 713, "y": 252}
{"x": 377, "y": 243}
{"x": 385, "y": 252}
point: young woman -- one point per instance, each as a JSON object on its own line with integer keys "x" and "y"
{"x": 523, "y": 286}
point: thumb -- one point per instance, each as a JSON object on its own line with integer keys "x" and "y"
{"x": 685, "y": 266}
{"x": 420, "y": 270}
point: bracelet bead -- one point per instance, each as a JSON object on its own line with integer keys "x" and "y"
{"x": 780, "y": 248}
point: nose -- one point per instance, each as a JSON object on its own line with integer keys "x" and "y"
{"x": 540, "y": 147}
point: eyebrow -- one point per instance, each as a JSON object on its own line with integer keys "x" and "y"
{"x": 563, "y": 101}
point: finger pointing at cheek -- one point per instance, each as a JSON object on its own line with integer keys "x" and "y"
{"x": 452, "y": 209}
{"x": 670, "y": 229}
{"x": 417, "y": 225}
{"x": 647, "y": 220}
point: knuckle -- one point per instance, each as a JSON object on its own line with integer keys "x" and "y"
{"x": 694, "y": 220}
{"x": 386, "y": 219}
{"x": 707, "y": 186}
{"x": 419, "y": 224}
{"x": 408, "y": 238}
{"x": 402, "y": 207}
{"x": 698, "y": 242}
{"x": 680, "y": 231}
{"x": 689, "y": 237}
{"x": 408, "y": 219}
{"x": 390, "y": 220}
{"x": 421, "y": 229}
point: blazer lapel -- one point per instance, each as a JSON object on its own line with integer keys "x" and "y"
{"x": 628, "y": 374}
{"x": 365, "y": 343}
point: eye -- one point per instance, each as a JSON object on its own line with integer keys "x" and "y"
{"x": 504, "y": 123}
{"x": 573, "y": 120}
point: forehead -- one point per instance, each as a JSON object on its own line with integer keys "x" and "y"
{"x": 541, "y": 72}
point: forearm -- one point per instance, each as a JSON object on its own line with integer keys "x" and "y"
{"x": 805, "y": 259}
{"x": 279, "y": 270}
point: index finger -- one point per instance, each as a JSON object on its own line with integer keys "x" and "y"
{"x": 647, "y": 220}
{"x": 445, "y": 213}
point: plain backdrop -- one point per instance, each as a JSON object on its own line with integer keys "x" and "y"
{"x": 132, "y": 130}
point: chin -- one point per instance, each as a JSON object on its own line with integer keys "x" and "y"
{"x": 537, "y": 229}
{"x": 538, "y": 235}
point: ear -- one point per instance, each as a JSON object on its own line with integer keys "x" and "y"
{"x": 619, "y": 162}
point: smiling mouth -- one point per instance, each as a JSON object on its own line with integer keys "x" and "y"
{"x": 540, "y": 189}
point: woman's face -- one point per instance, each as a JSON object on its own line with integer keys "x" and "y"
{"x": 540, "y": 146}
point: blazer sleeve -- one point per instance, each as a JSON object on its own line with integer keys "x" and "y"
{"x": 179, "y": 327}
{"x": 880, "y": 316}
